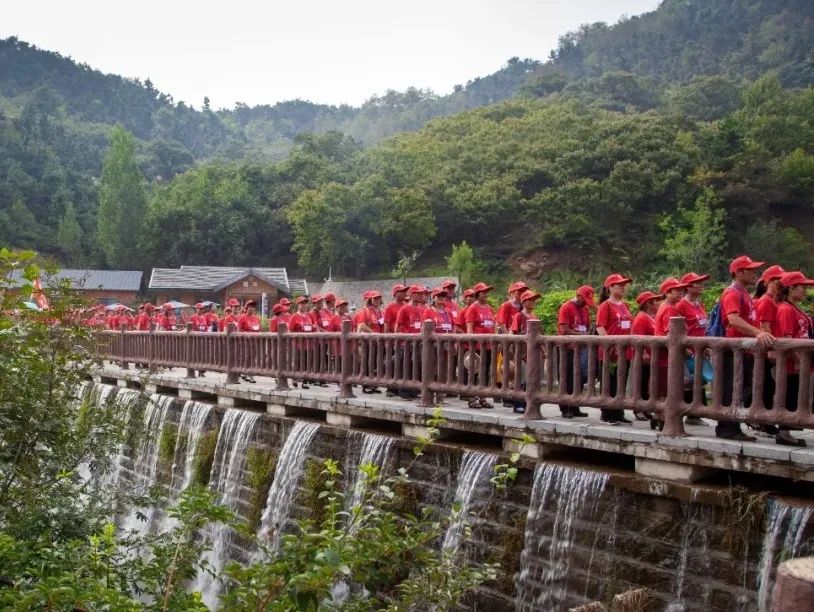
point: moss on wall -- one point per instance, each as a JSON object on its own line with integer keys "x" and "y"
{"x": 166, "y": 444}
{"x": 313, "y": 482}
{"x": 204, "y": 456}
{"x": 260, "y": 464}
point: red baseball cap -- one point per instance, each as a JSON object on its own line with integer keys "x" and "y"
{"x": 530, "y": 295}
{"x": 586, "y": 292}
{"x": 398, "y": 288}
{"x": 316, "y": 298}
{"x": 449, "y": 284}
{"x": 285, "y": 302}
{"x": 772, "y": 273}
{"x": 691, "y": 277}
{"x": 277, "y": 309}
{"x": 167, "y": 306}
{"x": 647, "y": 296}
{"x": 329, "y": 297}
{"x": 744, "y": 262}
{"x": 790, "y": 279}
{"x": 439, "y": 291}
{"x": 302, "y": 300}
{"x": 518, "y": 286}
{"x": 616, "y": 279}
{"x": 481, "y": 287}
{"x": 149, "y": 306}
{"x": 199, "y": 306}
{"x": 248, "y": 303}
{"x": 341, "y": 302}
{"x": 671, "y": 283}
{"x": 234, "y": 302}
{"x": 468, "y": 293}
{"x": 371, "y": 295}
{"x": 419, "y": 289}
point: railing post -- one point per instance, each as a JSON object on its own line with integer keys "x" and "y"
{"x": 231, "y": 375}
{"x": 122, "y": 359}
{"x": 282, "y": 380}
{"x": 533, "y": 370}
{"x": 676, "y": 341}
{"x": 188, "y": 350}
{"x": 427, "y": 363}
{"x": 346, "y": 360}
{"x": 151, "y": 347}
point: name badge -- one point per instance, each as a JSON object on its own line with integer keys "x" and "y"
{"x": 488, "y": 323}
{"x": 417, "y": 325}
{"x": 202, "y": 328}
{"x": 306, "y": 328}
{"x": 446, "y": 327}
{"x": 702, "y": 321}
{"x": 325, "y": 323}
{"x": 582, "y": 328}
{"x": 255, "y": 327}
{"x": 381, "y": 321}
{"x": 624, "y": 324}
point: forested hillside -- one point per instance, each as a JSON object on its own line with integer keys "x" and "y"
{"x": 628, "y": 139}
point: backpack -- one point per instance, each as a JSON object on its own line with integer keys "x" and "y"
{"x": 715, "y": 324}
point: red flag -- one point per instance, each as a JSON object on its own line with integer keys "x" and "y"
{"x": 37, "y": 295}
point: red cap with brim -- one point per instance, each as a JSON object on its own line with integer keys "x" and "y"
{"x": 772, "y": 273}
{"x": 647, "y": 296}
{"x": 691, "y": 277}
{"x": 398, "y": 288}
{"x": 250, "y": 303}
{"x": 439, "y": 291}
{"x": 329, "y": 297}
{"x": 518, "y": 286}
{"x": 341, "y": 302}
{"x": 530, "y": 295}
{"x": 481, "y": 287}
{"x": 277, "y": 309}
{"x": 671, "y": 283}
{"x": 234, "y": 302}
{"x": 302, "y": 300}
{"x": 791, "y": 279}
{"x": 449, "y": 284}
{"x": 616, "y": 279}
{"x": 316, "y": 298}
{"x": 285, "y": 302}
{"x": 586, "y": 292}
{"x": 468, "y": 293}
{"x": 744, "y": 262}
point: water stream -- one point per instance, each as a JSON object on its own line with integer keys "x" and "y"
{"x": 226, "y": 479}
{"x": 364, "y": 448}
{"x": 289, "y": 469}
{"x": 564, "y": 494}
{"x": 475, "y": 471}
{"x": 190, "y": 429}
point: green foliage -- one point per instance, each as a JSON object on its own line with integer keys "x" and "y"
{"x": 204, "y": 456}
{"x": 69, "y": 236}
{"x": 166, "y": 443}
{"x": 548, "y": 308}
{"x": 122, "y": 202}
{"x": 769, "y": 241}
{"x": 260, "y": 464}
{"x": 463, "y": 263}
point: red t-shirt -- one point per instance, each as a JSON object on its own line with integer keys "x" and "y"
{"x": 248, "y": 323}
{"x": 301, "y": 323}
{"x": 766, "y": 309}
{"x": 694, "y": 315}
{"x": 453, "y": 307}
{"x": 736, "y": 300}
{"x": 520, "y": 323}
{"x": 274, "y": 323}
{"x": 482, "y": 316}
{"x": 143, "y": 322}
{"x": 390, "y": 314}
{"x": 444, "y": 320}
{"x": 370, "y": 316}
{"x": 224, "y": 322}
{"x": 113, "y": 322}
{"x": 573, "y": 317}
{"x": 324, "y": 318}
{"x": 211, "y": 320}
{"x": 335, "y": 324}
{"x": 792, "y": 323}
{"x": 165, "y": 322}
{"x": 409, "y": 319}
{"x": 662, "y": 325}
{"x": 460, "y": 319}
{"x": 616, "y": 320}
{"x": 643, "y": 325}
{"x": 198, "y": 323}
{"x": 506, "y": 312}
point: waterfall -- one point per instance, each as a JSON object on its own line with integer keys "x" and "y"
{"x": 226, "y": 479}
{"x": 127, "y": 398}
{"x": 564, "y": 494}
{"x": 786, "y": 520}
{"x": 364, "y": 448}
{"x": 287, "y": 474}
{"x": 476, "y": 468}
{"x": 696, "y": 523}
{"x": 190, "y": 429}
{"x": 145, "y": 463}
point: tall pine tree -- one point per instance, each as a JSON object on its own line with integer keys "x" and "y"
{"x": 122, "y": 202}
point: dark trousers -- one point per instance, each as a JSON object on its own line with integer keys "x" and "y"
{"x": 725, "y": 427}
{"x": 568, "y": 355}
{"x": 609, "y": 414}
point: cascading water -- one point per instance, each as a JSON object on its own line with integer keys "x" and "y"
{"x": 190, "y": 429}
{"x": 127, "y": 398}
{"x": 364, "y": 448}
{"x": 287, "y": 475}
{"x": 696, "y": 523}
{"x": 791, "y": 522}
{"x": 227, "y": 476}
{"x": 566, "y": 494}
{"x": 145, "y": 463}
{"x": 476, "y": 468}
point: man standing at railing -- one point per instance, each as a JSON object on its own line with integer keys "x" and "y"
{"x": 574, "y": 319}
{"x": 279, "y": 316}
{"x": 460, "y": 318}
{"x": 480, "y": 319}
{"x": 145, "y": 317}
{"x": 166, "y": 320}
{"x": 198, "y": 320}
{"x": 409, "y": 321}
{"x": 301, "y": 323}
{"x": 391, "y": 311}
{"x": 740, "y": 320}
{"x": 370, "y": 320}
{"x": 451, "y": 305}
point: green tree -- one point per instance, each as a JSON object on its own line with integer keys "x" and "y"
{"x": 122, "y": 202}
{"x": 463, "y": 263}
{"x": 769, "y": 241}
{"x": 695, "y": 239}
{"x": 69, "y": 236}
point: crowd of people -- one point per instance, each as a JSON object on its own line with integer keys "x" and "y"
{"x": 773, "y": 311}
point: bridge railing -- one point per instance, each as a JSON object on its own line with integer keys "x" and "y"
{"x": 734, "y": 380}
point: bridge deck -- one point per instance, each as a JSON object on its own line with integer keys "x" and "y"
{"x": 700, "y": 451}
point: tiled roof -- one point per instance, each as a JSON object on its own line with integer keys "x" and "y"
{"x": 352, "y": 290}
{"x": 93, "y": 280}
{"x": 214, "y": 278}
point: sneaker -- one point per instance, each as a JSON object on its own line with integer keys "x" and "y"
{"x": 691, "y": 420}
{"x": 519, "y": 410}
{"x": 578, "y": 413}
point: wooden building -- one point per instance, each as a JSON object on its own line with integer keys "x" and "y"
{"x": 102, "y": 286}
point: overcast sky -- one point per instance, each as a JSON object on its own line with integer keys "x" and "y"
{"x": 330, "y": 51}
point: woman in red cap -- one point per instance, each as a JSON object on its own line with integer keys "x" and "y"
{"x": 766, "y": 298}
{"x": 438, "y": 312}
{"x": 519, "y": 327}
{"x": 166, "y": 320}
{"x": 792, "y": 322}
{"x": 198, "y": 320}
{"x": 613, "y": 318}
{"x": 673, "y": 291}
{"x": 229, "y": 317}
{"x": 340, "y": 315}
{"x": 451, "y": 305}
{"x": 509, "y": 308}
{"x": 460, "y": 318}
{"x": 279, "y": 316}
{"x": 144, "y": 317}
{"x": 392, "y": 309}
{"x": 644, "y": 324}
{"x": 690, "y": 306}
{"x": 411, "y": 315}
{"x": 574, "y": 319}
{"x": 480, "y": 319}
{"x": 300, "y": 323}
{"x": 369, "y": 319}
{"x": 249, "y": 322}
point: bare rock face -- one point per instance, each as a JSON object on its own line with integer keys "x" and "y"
{"x": 794, "y": 586}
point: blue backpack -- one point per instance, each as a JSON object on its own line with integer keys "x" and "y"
{"x": 715, "y": 323}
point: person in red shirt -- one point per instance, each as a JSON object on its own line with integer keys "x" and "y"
{"x": 300, "y": 323}
{"x": 279, "y": 316}
{"x": 410, "y": 316}
{"x": 249, "y": 322}
{"x": 340, "y": 315}
{"x": 166, "y": 319}
{"x": 438, "y": 312}
{"x": 480, "y": 319}
{"x": 330, "y": 302}
{"x": 690, "y": 306}
{"x": 198, "y": 320}
{"x": 210, "y": 317}
{"x": 519, "y": 327}
{"x": 449, "y": 286}
{"x": 112, "y": 320}
{"x": 460, "y": 318}
{"x": 574, "y": 319}
{"x": 509, "y": 308}
{"x": 613, "y": 319}
{"x": 228, "y": 318}
{"x": 792, "y": 322}
{"x": 317, "y": 303}
{"x": 144, "y": 317}
{"x": 392, "y": 309}
{"x": 766, "y": 297}
{"x": 740, "y": 320}
{"x": 370, "y": 320}
{"x": 644, "y": 325}
{"x": 673, "y": 291}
